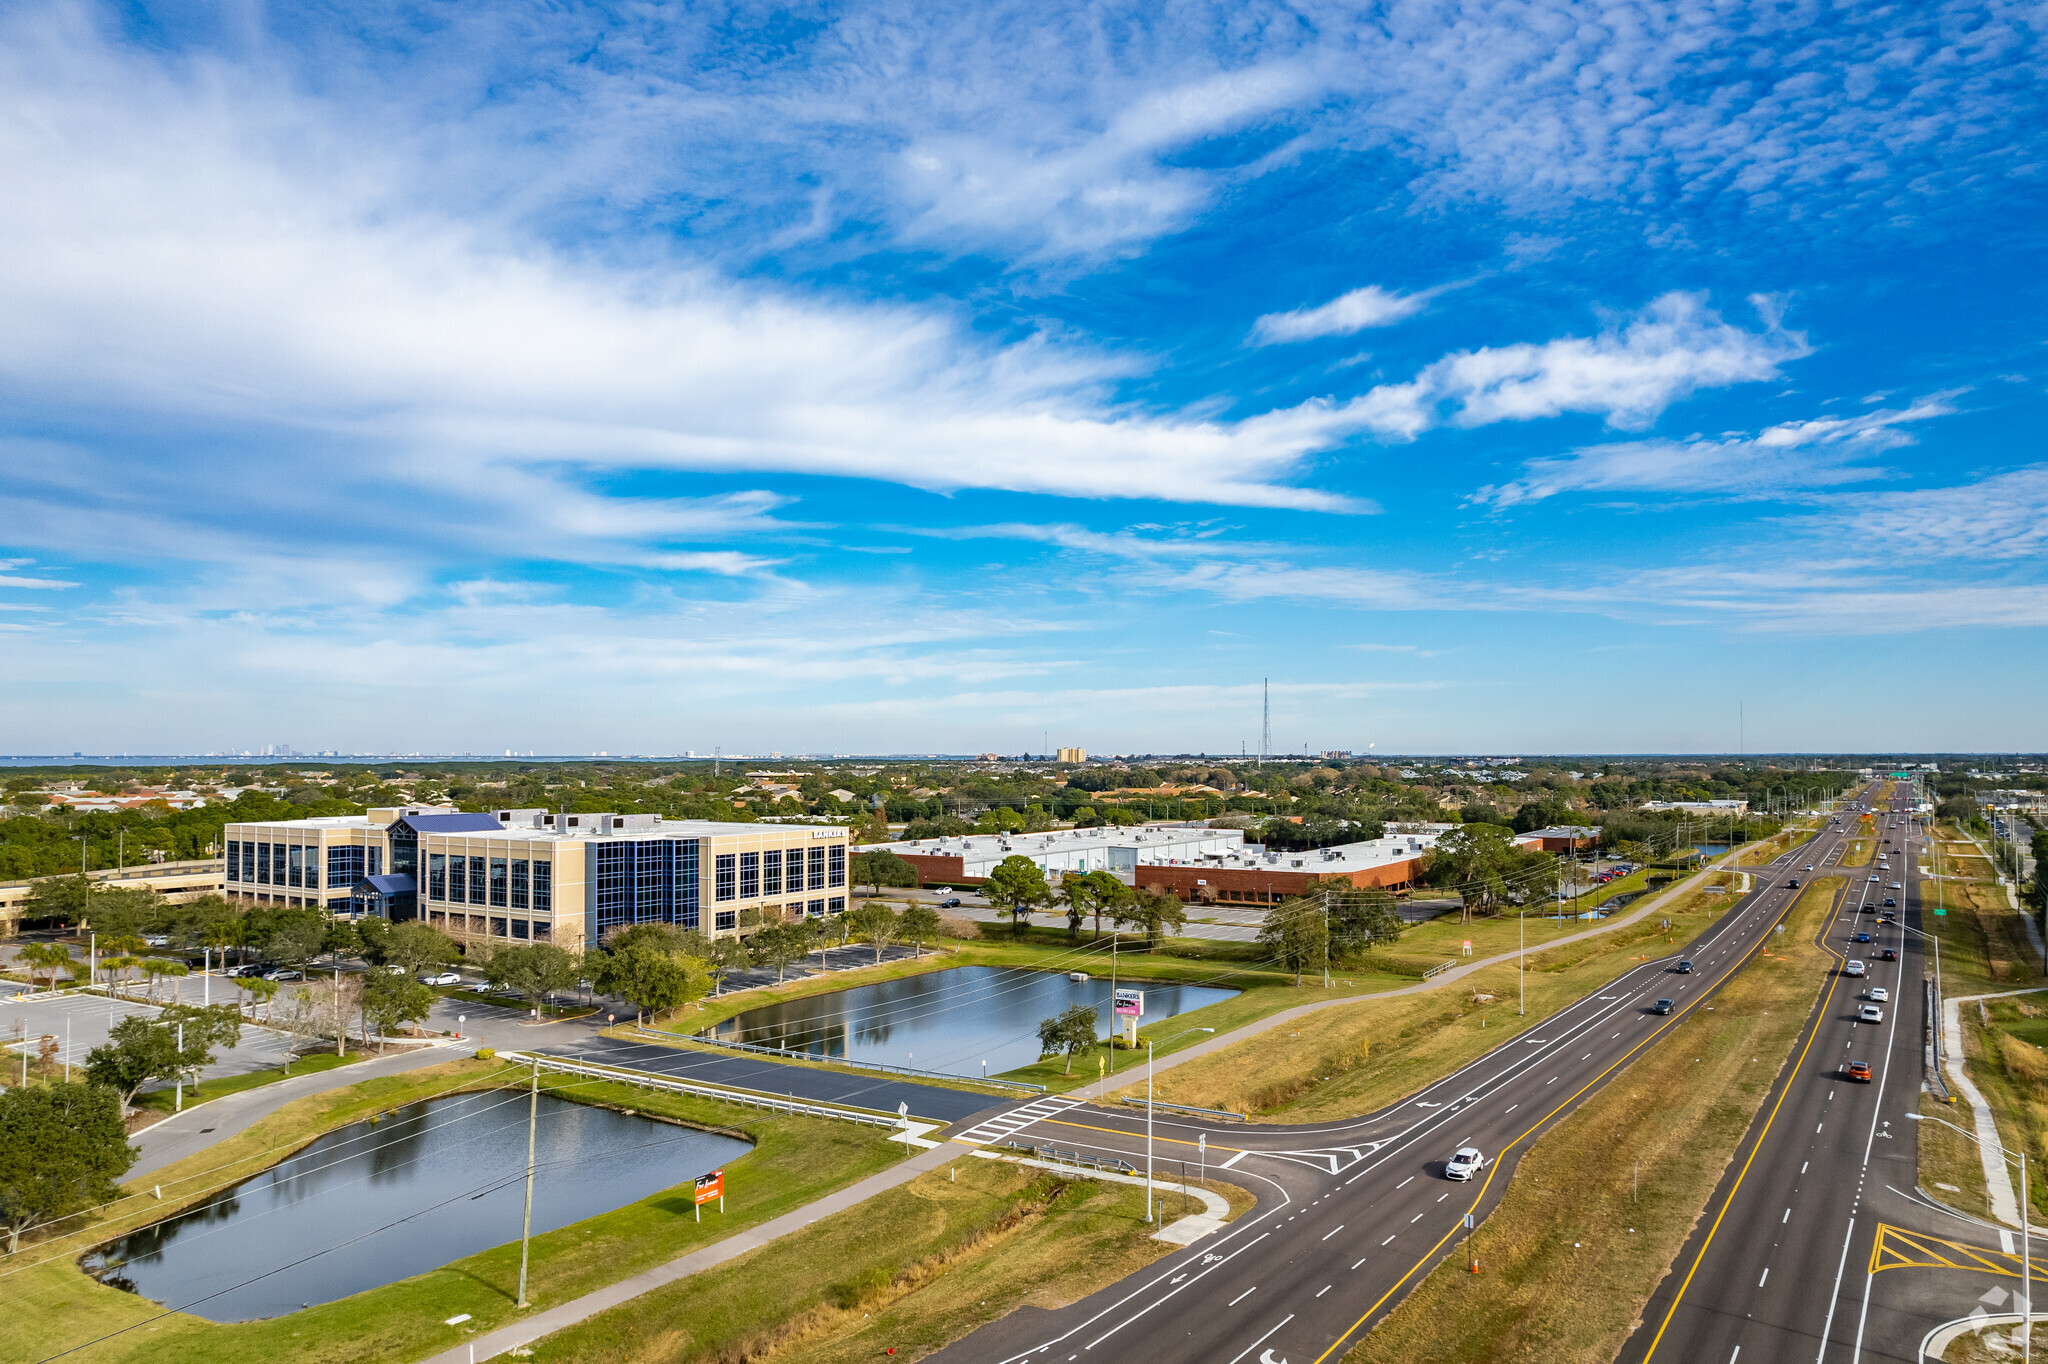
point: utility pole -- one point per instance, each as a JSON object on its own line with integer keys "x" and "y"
{"x": 1326, "y": 940}
{"x": 526, "y": 1225}
{"x": 1265, "y": 720}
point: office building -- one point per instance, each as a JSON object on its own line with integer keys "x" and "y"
{"x": 536, "y": 876}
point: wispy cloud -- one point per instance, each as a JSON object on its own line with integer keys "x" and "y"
{"x": 1791, "y": 457}
{"x": 1371, "y": 306}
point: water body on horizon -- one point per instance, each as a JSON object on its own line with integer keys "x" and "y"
{"x": 378, "y": 1201}
{"x": 948, "y": 1021}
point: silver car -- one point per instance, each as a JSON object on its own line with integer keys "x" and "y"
{"x": 1854, "y": 968}
{"x": 1871, "y": 1014}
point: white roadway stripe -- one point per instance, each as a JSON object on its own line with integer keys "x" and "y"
{"x": 1262, "y": 1339}
{"x": 1242, "y": 1296}
{"x": 1340, "y": 1227}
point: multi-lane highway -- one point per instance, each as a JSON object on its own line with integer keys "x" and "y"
{"x": 1352, "y": 1214}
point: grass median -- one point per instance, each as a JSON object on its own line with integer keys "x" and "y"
{"x": 1573, "y": 1252}
{"x": 910, "y": 1269}
{"x": 1355, "y": 1058}
{"x": 55, "y": 1307}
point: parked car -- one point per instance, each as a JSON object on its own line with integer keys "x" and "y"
{"x": 157, "y": 940}
{"x": 1464, "y": 1163}
{"x": 394, "y": 969}
{"x": 1871, "y": 1014}
{"x": 282, "y": 973}
{"x": 441, "y": 978}
{"x": 1854, "y": 968}
{"x": 1662, "y": 1006}
{"x": 254, "y": 968}
{"x": 1859, "y": 1071}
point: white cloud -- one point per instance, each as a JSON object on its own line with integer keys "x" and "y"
{"x": 10, "y": 580}
{"x": 1371, "y": 306}
{"x": 1790, "y": 457}
{"x": 2002, "y": 517}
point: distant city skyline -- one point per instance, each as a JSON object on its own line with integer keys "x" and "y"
{"x": 901, "y": 380}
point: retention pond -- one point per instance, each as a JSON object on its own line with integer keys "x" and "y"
{"x": 382, "y": 1200}
{"x": 947, "y": 1021}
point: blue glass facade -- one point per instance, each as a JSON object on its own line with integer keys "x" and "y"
{"x": 641, "y": 881}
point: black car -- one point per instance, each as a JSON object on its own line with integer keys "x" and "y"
{"x": 1891, "y": 902}
{"x": 1793, "y": 884}
{"x": 951, "y": 902}
{"x": 1684, "y": 968}
{"x": 1889, "y": 954}
{"x": 1662, "y": 1006}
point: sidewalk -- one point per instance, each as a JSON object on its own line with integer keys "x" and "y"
{"x": 589, "y": 1305}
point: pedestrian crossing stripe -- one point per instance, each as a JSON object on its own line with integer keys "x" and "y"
{"x": 1003, "y": 1124}
{"x": 1898, "y": 1248}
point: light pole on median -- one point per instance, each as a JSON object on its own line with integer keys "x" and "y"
{"x": 2026, "y": 1238}
{"x": 1148, "y": 1113}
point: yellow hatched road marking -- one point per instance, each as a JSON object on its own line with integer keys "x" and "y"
{"x": 1899, "y": 1248}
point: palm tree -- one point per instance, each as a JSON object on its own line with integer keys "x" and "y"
{"x": 49, "y": 957}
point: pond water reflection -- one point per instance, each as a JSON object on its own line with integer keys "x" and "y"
{"x": 948, "y": 1021}
{"x": 381, "y": 1200}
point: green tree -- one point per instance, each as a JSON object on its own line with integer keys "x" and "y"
{"x": 1473, "y": 860}
{"x": 63, "y": 1147}
{"x": 339, "y": 937}
{"x": 652, "y": 980}
{"x": 140, "y": 1049}
{"x": 389, "y": 1001}
{"x": 49, "y": 957}
{"x": 535, "y": 970}
{"x": 1077, "y": 893}
{"x": 917, "y": 925}
{"x": 290, "y": 937}
{"x": 1361, "y": 920}
{"x": 1107, "y": 895}
{"x": 56, "y": 899}
{"x": 373, "y": 937}
{"x": 880, "y": 867}
{"x": 873, "y": 923}
{"x": 1016, "y": 886}
{"x": 416, "y": 946}
{"x": 157, "y": 968}
{"x": 1296, "y": 935}
{"x": 1071, "y": 1031}
{"x": 780, "y": 945}
{"x": 1155, "y": 909}
{"x": 261, "y": 991}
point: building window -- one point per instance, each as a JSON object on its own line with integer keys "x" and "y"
{"x": 641, "y": 881}
{"x": 771, "y": 872}
{"x": 234, "y": 859}
{"x": 838, "y": 905}
{"x": 458, "y": 880}
{"x": 722, "y": 888}
{"x": 498, "y": 883}
{"x": 375, "y": 860}
{"x": 817, "y": 908}
{"x": 497, "y": 926}
{"x": 519, "y": 928}
{"x": 727, "y": 918}
{"x": 817, "y": 869}
{"x": 294, "y": 865}
{"x": 750, "y": 876}
{"x": 337, "y": 904}
{"x": 248, "y": 860}
{"x": 542, "y": 932}
{"x": 519, "y": 883}
{"x": 836, "y": 860}
{"x": 476, "y": 882}
{"x": 262, "y": 864}
{"x": 543, "y": 886}
{"x": 437, "y": 876}
{"x": 313, "y": 870}
{"x": 344, "y": 868}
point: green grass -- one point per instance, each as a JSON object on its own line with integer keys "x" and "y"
{"x": 1570, "y": 1257}
{"x": 912, "y": 1268}
{"x": 54, "y": 1306}
{"x": 162, "y": 1099}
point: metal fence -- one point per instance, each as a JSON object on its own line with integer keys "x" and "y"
{"x": 1080, "y": 1160}
{"x": 881, "y": 1067}
{"x": 641, "y": 1079}
{"x": 1439, "y": 970}
{"x": 1220, "y": 1114}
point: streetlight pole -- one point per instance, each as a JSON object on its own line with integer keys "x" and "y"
{"x": 2026, "y": 1238}
{"x": 1147, "y": 1111}
{"x": 526, "y": 1225}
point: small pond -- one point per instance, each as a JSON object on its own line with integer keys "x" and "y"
{"x": 948, "y": 1021}
{"x": 379, "y": 1201}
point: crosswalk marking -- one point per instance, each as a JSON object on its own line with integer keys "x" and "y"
{"x": 1003, "y": 1124}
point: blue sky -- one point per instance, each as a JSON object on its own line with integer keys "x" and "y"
{"x": 1515, "y": 376}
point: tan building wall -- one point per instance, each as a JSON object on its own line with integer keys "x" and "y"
{"x": 175, "y": 881}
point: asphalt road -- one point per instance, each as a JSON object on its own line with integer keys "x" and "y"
{"x": 1352, "y": 1214}
{"x": 1786, "y": 1264}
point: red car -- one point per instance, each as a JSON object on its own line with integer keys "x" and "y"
{"x": 1859, "y": 1070}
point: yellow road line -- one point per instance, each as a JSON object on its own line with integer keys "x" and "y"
{"x": 1562, "y": 1105}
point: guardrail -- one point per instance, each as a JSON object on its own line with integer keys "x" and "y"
{"x": 881, "y": 1067}
{"x": 1221, "y": 1114}
{"x": 641, "y": 1079}
{"x": 1439, "y": 970}
{"x": 1080, "y": 1160}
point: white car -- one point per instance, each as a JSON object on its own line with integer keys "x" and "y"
{"x": 441, "y": 978}
{"x": 1854, "y": 968}
{"x": 1809, "y": 866}
{"x": 1879, "y": 995}
{"x": 1872, "y": 1014}
{"x": 1464, "y": 1163}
